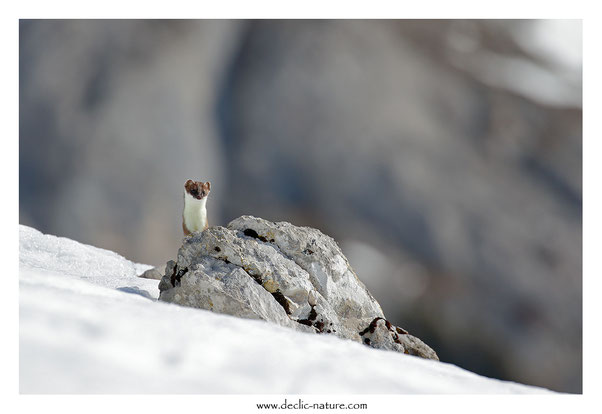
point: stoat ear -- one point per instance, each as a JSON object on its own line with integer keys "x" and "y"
{"x": 208, "y": 184}
{"x": 188, "y": 182}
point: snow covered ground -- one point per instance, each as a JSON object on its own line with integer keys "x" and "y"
{"x": 88, "y": 324}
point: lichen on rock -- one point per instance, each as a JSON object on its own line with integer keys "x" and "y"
{"x": 292, "y": 276}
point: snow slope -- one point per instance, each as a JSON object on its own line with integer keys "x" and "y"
{"x": 88, "y": 324}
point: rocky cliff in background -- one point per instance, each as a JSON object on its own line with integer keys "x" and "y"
{"x": 444, "y": 156}
{"x": 463, "y": 196}
{"x": 292, "y": 276}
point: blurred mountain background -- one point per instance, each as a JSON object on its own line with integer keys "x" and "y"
{"x": 444, "y": 156}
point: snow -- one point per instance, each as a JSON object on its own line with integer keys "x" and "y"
{"x": 88, "y": 324}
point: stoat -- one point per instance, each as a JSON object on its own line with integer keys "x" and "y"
{"x": 194, "y": 216}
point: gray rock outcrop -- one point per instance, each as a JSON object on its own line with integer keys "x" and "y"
{"x": 292, "y": 276}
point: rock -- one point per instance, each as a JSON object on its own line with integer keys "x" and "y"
{"x": 384, "y": 335}
{"x": 292, "y": 276}
{"x": 153, "y": 273}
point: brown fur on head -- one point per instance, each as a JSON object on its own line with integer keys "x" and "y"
{"x": 197, "y": 189}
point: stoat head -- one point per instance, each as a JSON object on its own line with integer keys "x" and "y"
{"x": 197, "y": 189}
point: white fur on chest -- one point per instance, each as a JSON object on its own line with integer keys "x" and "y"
{"x": 195, "y": 213}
